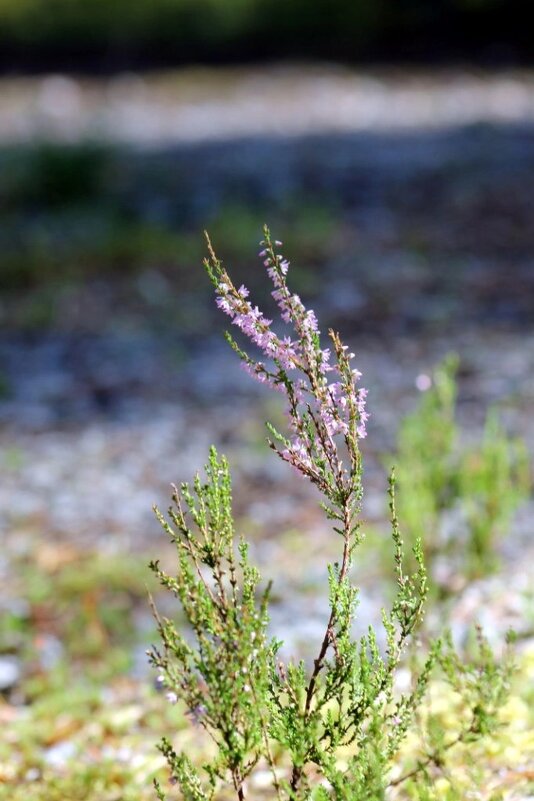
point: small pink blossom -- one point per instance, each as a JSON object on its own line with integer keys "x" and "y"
{"x": 298, "y": 454}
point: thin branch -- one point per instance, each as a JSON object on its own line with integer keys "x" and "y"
{"x": 431, "y": 758}
{"x": 319, "y": 661}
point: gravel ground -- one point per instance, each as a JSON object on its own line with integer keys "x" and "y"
{"x": 75, "y": 473}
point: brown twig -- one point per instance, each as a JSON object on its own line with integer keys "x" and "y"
{"x": 319, "y": 661}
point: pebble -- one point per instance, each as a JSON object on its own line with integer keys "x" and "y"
{"x": 10, "y": 672}
{"x": 59, "y": 754}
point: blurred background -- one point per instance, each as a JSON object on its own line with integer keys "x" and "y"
{"x": 390, "y": 145}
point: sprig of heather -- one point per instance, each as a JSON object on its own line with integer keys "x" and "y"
{"x": 222, "y": 670}
{"x": 225, "y": 669}
{"x": 327, "y": 419}
{"x": 325, "y": 408}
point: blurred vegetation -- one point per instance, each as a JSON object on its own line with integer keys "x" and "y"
{"x": 75, "y": 34}
{"x": 78, "y": 213}
{"x": 458, "y": 496}
{"x": 78, "y": 713}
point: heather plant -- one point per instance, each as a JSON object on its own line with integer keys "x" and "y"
{"x": 331, "y": 730}
{"x": 457, "y": 499}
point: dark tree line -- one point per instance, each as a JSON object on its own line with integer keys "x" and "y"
{"x": 106, "y": 35}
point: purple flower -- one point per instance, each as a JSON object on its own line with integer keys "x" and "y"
{"x": 319, "y": 410}
{"x": 310, "y": 321}
{"x": 298, "y": 454}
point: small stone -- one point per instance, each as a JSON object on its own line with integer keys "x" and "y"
{"x": 58, "y": 755}
{"x": 32, "y": 775}
{"x": 262, "y": 779}
{"x": 9, "y": 672}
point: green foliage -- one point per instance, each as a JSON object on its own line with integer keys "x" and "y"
{"x": 478, "y": 688}
{"x": 332, "y": 730}
{"x": 230, "y": 681}
{"x": 479, "y": 486}
{"x": 493, "y": 479}
{"x": 224, "y": 679}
